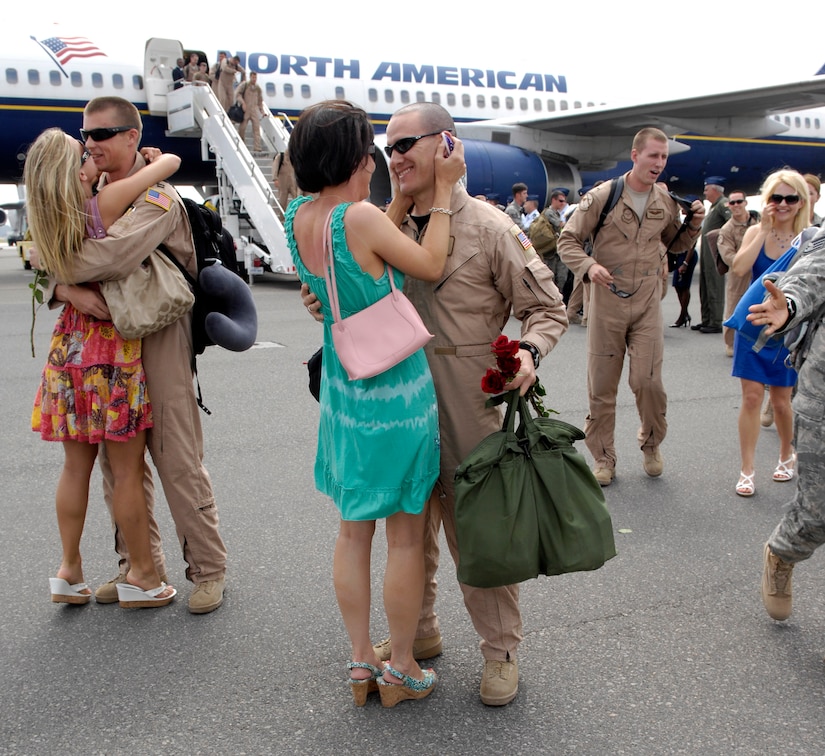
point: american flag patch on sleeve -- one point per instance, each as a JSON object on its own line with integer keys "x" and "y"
{"x": 521, "y": 236}
{"x": 159, "y": 198}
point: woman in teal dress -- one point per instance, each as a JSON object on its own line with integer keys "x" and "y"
{"x": 378, "y": 444}
{"x": 785, "y": 215}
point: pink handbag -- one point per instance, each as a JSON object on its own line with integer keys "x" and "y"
{"x": 379, "y": 336}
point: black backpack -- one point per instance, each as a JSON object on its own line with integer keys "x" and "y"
{"x": 214, "y": 245}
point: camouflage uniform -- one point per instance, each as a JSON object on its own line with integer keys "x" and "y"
{"x": 802, "y": 529}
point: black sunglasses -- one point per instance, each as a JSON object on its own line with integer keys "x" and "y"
{"x": 371, "y": 150}
{"x": 101, "y": 135}
{"x": 85, "y": 155}
{"x": 776, "y": 199}
{"x": 406, "y": 144}
{"x": 736, "y": 202}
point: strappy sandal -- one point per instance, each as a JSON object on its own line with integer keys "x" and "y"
{"x": 360, "y": 688}
{"x": 408, "y": 688}
{"x": 786, "y": 469}
{"x": 745, "y": 485}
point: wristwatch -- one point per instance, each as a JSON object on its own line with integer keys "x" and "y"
{"x": 534, "y": 350}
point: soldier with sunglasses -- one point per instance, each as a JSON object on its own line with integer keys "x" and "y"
{"x": 111, "y": 132}
{"x": 625, "y": 304}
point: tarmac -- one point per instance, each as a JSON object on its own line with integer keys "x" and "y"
{"x": 665, "y": 650}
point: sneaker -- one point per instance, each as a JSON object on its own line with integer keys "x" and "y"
{"x": 776, "y": 586}
{"x": 107, "y": 593}
{"x": 604, "y": 475}
{"x": 499, "y": 682}
{"x": 423, "y": 648}
{"x": 653, "y": 463}
{"x": 207, "y": 596}
{"x": 766, "y": 417}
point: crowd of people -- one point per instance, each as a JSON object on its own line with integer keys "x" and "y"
{"x": 388, "y": 445}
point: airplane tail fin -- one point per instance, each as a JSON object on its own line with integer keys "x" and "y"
{"x": 821, "y": 71}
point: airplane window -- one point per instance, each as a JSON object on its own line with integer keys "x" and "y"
{"x": 522, "y": 103}
{"x": 450, "y": 99}
{"x": 807, "y": 123}
{"x": 56, "y": 80}
{"x": 480, "y": 101}
{"x": 117, "y": 81}
{"x": 11, "y": 76}
{"x": 563, "y": 104}
{"x": 270, "y": 89}
{"x": 495, "y": 102}
{"x": 97, "y": 80}
{"x": 34, "y": 76}
{"x": 787, "y": 121}
{"x": 405, "y": 96}
{"x": 816, "y": 123}
{"x": 137, "y": 82}
{"x": 306, "y": 91}
{"x": 389, "y": 95}
{"x": 465, "y": 100}
{"x": 591, "y": 104}
{"x": 288, "y": 91}
{"x": 436, "y": 98}
{"x": 372, "y": 95}
{"x": 419, "y": 97}
{"x": 551, "y": 105}
{"x": 577, "y": 104}
{"x": 77, "y": 79}
{"x": 508, "y": 103}
{"x": 797, "y": 122}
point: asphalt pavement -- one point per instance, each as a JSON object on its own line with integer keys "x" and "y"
{"x": 665, "y": 650}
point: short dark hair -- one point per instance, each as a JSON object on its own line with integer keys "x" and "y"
{"x": 558, "y": 193}
{"x": 519, "y": 187}
{"x": 127, "y": 113}
{"x": 329, "y": 142}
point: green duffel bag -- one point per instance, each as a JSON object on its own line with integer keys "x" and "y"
{"x": 527, "y": 504}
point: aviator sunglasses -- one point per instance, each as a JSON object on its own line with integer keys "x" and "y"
{"x": 85, "y": 155}
{"x": 102, "y": 134}
{"x": 790, "y": 199}
{"x": 406, "y": 144}
{"x": 736, "y": 202}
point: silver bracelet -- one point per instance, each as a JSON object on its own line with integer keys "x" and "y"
{"x": 442, "y": 210}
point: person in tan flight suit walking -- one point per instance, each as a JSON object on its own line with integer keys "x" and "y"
{"x": 625, "y": 303}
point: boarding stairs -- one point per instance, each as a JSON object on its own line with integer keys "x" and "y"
{"x": 247, "y": 203}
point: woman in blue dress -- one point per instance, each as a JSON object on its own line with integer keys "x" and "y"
{"x": 785, "y": 215}
{"x": 378, "y": 443}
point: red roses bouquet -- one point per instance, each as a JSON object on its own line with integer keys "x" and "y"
{"x": 495, "y": 380}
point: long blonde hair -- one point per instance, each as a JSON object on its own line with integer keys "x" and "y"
{"x": 55, "y": 201}
{"x": 796, "y": 181}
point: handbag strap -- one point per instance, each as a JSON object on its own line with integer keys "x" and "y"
{"x": 329, "y": 269}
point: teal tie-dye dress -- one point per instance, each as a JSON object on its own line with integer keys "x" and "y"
{"x": 378, "y": 442}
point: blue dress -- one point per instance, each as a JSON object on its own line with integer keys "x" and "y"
{"x": 768, "y": 364}
{"x": 378, "y": 441}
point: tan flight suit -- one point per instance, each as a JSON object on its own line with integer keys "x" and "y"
{"x": 226, "y": 83}
{"x": 727, "y": 244}
{"x": 252, "y": 98}
{"x": 488, "y": 273}
{"x": 176, "y": 440}
{"x": 283, "y": 173}
{"x": 631, "y": 250}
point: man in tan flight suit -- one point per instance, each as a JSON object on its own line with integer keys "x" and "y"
{"x": 728, "y": 243}
{"x": 491, "y": 272}
{"x": 625, "y": 303}
{"x": 176, "y": 440}
{"x": 251, "y": 97}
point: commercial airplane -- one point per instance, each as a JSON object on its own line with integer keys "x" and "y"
{"x": 518, "y": 125}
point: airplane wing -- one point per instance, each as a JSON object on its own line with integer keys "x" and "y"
{"x": 743, "y": 114}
